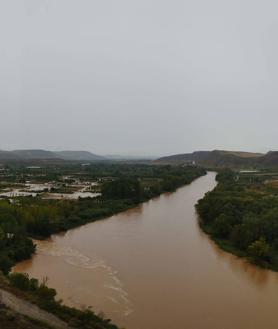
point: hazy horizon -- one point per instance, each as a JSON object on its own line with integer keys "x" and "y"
{"x": 146, "y": 78}
{"x": 133, "y": 155}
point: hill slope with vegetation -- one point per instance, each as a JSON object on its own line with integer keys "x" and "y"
{"x": 223, "y": 159}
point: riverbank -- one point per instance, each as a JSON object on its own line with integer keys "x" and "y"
{"x": 240, "y": 215}
{"x": 228, "y": 247}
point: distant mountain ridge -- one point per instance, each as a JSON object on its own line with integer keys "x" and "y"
{"x": 222, "y": 158}
{"x": 50, "y": 155}
{"x": 79, "y": 156}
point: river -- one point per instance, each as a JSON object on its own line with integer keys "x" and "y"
{"x": 153, "y": 268}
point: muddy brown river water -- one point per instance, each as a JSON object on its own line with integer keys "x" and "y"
{"x": 152, "y": 268}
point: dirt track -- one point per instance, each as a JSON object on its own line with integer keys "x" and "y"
{"x": 30, "y": 310}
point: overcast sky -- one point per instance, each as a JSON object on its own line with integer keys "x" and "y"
{"x": 139, "y": 76}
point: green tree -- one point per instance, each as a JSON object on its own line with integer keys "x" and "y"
{"x": 19, "y": 280}
{"x": 221, "y": 226}
{"x": 259, "y": 249}
{"x": 5, "y": 263}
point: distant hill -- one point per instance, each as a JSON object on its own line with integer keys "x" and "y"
{"x": 79, "y": 156}
{"x": 34, "y": 154}
{"x": 220, "y": 158}
{"x": 49, "y": 155}
{"x": 269, "y": 160}
{"x": 6, "y": 155}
